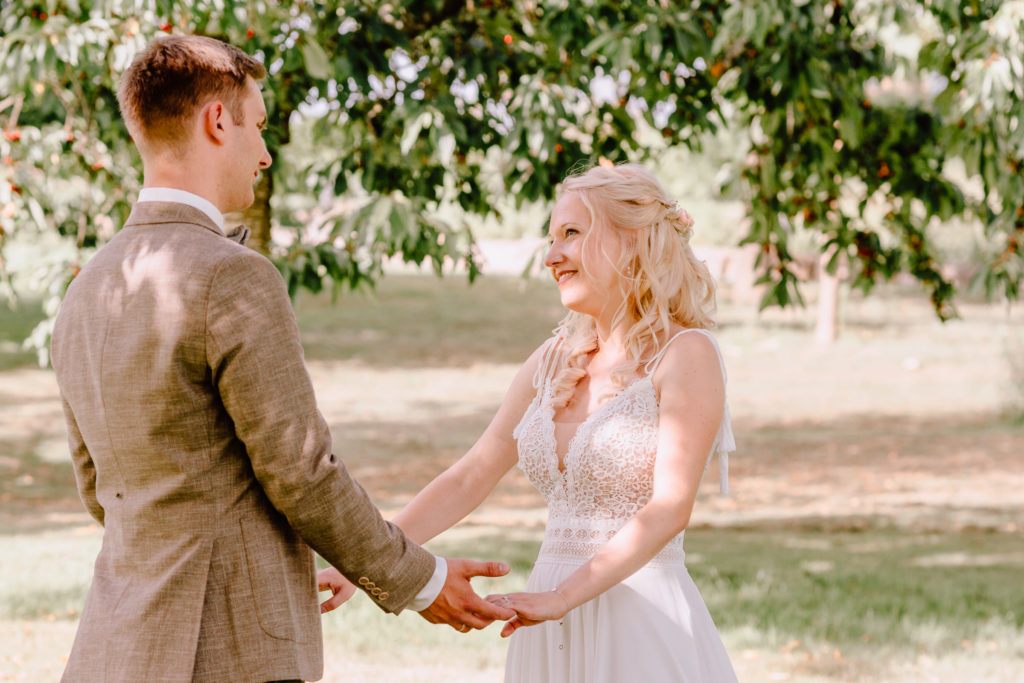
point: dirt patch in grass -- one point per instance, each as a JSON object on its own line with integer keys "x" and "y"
{"x": 916, "y": 473}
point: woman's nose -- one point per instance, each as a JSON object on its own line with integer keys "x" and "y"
{"x": 553, "y": 257}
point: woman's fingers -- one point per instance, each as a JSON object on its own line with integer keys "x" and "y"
{"x": 510, "y": 627}
{"x": 341, "y": 589}
{"x": 503, "y": 599}
{"x": 340, "y": 596}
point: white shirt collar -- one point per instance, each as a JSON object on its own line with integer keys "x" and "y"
{"x": 171, "y": 194}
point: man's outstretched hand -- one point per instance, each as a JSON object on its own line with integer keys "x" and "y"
{"x": 458, "y": 605}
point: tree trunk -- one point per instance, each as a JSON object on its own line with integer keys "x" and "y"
{"x": 257, "y": 216}
{"x": 826, "y": 330}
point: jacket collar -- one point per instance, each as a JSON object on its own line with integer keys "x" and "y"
{"x": 162, "y": 213}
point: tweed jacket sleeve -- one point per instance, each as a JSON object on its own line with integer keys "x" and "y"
{"x": 85, "y": 470}
{"x": 257, "y": 365}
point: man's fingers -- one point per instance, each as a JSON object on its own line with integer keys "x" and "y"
{"x": 458, "y": 605}
{"x": 475, "y": 621}
{"x": 475, "y": 568}
{"x": 490, "y": 610}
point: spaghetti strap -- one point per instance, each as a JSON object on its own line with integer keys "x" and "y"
{"x": 547, "y": 366}
{"x": 652, "y": 365}
{"x": 548, "y": 362}
{"x": 725, "y": 441}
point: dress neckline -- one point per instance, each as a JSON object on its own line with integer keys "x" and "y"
{"x": 561, "y": 461}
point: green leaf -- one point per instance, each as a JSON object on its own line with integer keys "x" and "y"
{"x": 316, "y": 60}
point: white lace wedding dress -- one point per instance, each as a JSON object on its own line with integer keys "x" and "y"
{"x": 651, "y": 627}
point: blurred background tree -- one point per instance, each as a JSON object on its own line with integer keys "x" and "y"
{"x": 863, "y": 125}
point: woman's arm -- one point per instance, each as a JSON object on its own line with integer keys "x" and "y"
{"x": 458, "y": 490}
{"x": 692, "y": 397}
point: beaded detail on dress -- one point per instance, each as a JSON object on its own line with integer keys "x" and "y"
{"x": 608, "y": 467}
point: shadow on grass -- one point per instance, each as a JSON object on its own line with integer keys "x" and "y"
{"x": 889, "y": 444}
{"x": 394, "y": 460}
{"x": 36, "y": 494}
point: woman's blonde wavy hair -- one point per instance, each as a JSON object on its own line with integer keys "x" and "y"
{"x": 664, "y": 282}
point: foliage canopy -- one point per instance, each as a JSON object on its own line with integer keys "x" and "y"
{"x": 853, "y": 114}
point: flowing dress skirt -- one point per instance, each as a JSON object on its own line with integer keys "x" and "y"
{"x": 652, "y": 627}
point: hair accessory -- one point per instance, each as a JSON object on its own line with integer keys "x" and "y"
{"x": 684, "y": 217}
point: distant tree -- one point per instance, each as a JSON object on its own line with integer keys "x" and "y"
{"x": 415, "y": 97}
{"x": 833, "y": 151}
{"x": 977, "y": 47}
{"x": 415, "y": 93}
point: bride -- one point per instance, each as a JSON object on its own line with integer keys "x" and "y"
{"x": 614, "y": 420}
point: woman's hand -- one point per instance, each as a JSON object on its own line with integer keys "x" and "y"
{"x": 531, "y": 608}
{"x": 341, "y": 588}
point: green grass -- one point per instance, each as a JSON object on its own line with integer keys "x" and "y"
{"x": 875, "y": 594}
{"x": 874, "y": 531}
{"x": 417, "y": 321}
{"x": 15, "y": 325}
{"x": 862, "y": 588}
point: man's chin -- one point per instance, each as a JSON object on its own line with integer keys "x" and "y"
{"x": 242, "y": 204}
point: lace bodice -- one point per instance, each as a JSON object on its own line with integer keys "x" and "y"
{"x": 609, "y": 466}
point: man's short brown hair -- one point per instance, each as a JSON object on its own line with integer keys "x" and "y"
{"x": 174, "y": 76}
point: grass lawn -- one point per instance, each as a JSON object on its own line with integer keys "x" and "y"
{"x": 873, "y": 532}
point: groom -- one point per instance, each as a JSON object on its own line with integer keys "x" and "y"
{"x": 192, "y": 423}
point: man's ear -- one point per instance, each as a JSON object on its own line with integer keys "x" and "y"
{"x": 214, "y": 122}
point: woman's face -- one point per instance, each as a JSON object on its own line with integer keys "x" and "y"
{"x": 597, "y": 291}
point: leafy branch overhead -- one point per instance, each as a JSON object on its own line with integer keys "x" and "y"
{"x": 853, "y": 115}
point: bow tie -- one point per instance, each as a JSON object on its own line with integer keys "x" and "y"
{"x": 239, "y": 234}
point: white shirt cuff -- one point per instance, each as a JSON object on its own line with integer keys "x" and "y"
{"x": 425, "y": 598}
